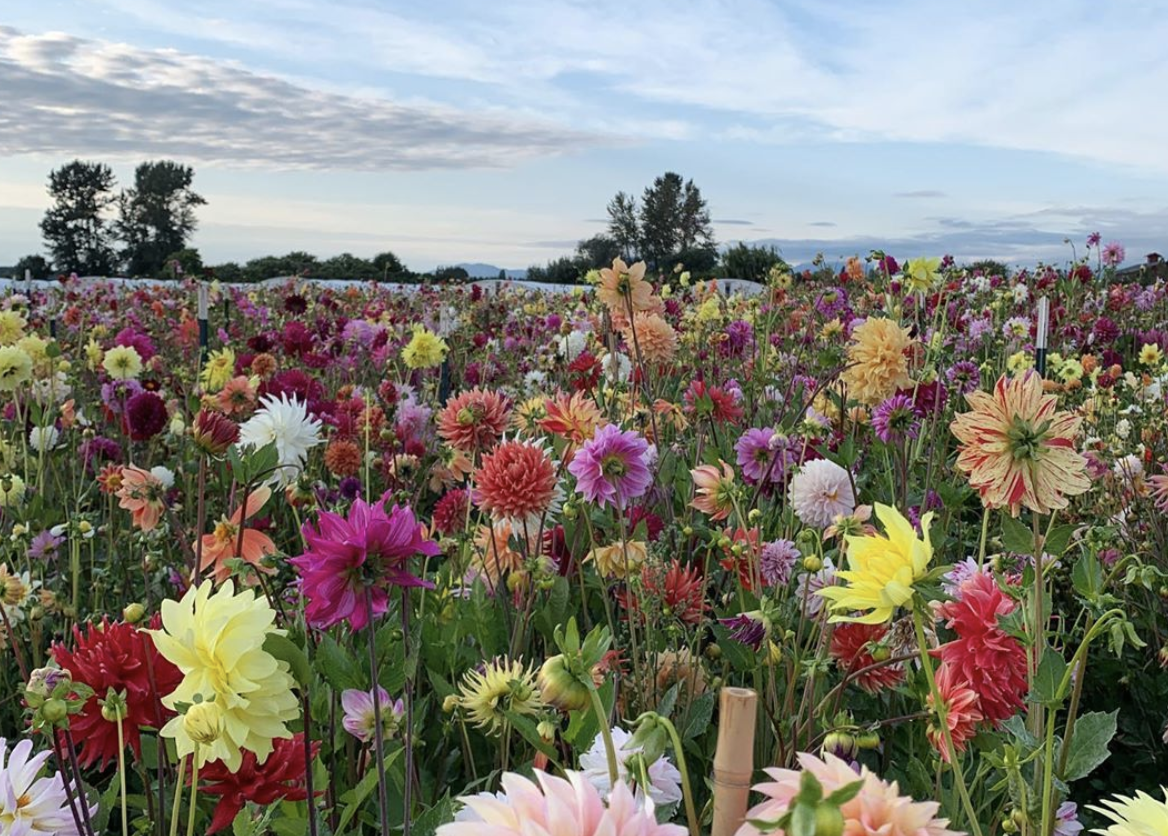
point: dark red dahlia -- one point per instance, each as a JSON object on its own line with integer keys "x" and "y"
{"x": 450, "y": 514}
{"x": 121, "y": 657}
{"x": 854, "y": 648}
{"x": 146, "y": 416}
{"x": 279, "y": 778}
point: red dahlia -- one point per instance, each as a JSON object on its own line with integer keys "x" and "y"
{"x": 119, "y": 656}
{"x": 853, "y": 647}
{"x": 516, "y": 482}
{"x": 280, "y": 777}
{"x": 474, "y": 420}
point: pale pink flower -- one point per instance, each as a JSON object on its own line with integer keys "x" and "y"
{"x": 821, "y": 491}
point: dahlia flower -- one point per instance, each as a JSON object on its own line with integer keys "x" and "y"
{"x": 961, "y": 712}
{"x": 216, "y": 639}
{"x": 877, "y": 360}
{"x": 424, "y": 350}
{"x": 878, "y": 809}
{"x": 360, "y": 718}
{"x": 122, "y": 362}
{"x": 122, "y": 657}
{"x": 852, "y": 647}
{"x": 143, "y": 495}
{"x": 1138, "y": 815}
{"x": 557, "y": 807}
{"x": 655, "y": 338}
{"x": 664, "y": 779}
{"x": 820, "y": 491}
{"x": 30, "y": 805}
{"x": 714, "y": 490}
{"x": 895, "y": 419}
{"x": 572, "y": 417}
{"x": 225, "y": 541}
{"x": 777, "y": 562}
{"x": 287, "y": 424}
{"x": 622, "y": 287}
{"x": 517, "y": 481}
{"x": 619, "y": 559}
{"x": 984, "y": 656}
{"x": 365, "y": 553}
{"x": 474, "y": 420}
{"x": 15, "y": 367}
{"x": 760, "y": 458}
{"x": 281, "y": 778}
{"x": 882, "y": 570}
{"x": 610, "y": 468}
{"x": 497, "y": 687}
{"x": 1018, "y": 449}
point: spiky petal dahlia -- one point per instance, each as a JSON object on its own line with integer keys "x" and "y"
{"x": 877, "y": 360}
{"x": 118, "y": 656}
{"x": 499, "y": 687}
{"x": 281, "y": 778}
{"x": 1018, "y": 449}
{"x": 961, "y": 713}
{"x": 517, "y": 481}
{"x": 557, "y": 807}
{"x": 853, "y": 646}
{"x": 474, "y": 420}
{"x": 1141, "y": 815}
{"x": 984, "y": 656}
{"x": 877, "y": 810}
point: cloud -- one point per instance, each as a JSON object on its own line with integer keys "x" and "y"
{"x": 920, "y": 194}
{"x": 823, "y": 223}
{"x": 68, "y": 95}
{"x": 733, "y": 222}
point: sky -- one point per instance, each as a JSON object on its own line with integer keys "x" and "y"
{"x": 458, "y": 130}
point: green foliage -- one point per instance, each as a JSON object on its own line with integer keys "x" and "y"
{"x": 752, "y": 263}
{"x": 75, "y": 227}
{"x": 157, "y": 215}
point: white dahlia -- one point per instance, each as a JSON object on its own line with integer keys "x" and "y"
{"x": 821, "y": 491}
{"x": 288, "y": 424}
{"x": 28, "y": 804}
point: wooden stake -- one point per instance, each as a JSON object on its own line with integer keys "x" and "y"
{"x": 734, "y": 759}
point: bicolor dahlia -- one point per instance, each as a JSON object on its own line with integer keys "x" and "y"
{"x": 122, "y": 657}
{"x": 280, "y": 778}
{"x": 853, "y": 646}
{"x": 475, "y": 420}
{"x": 713, "y": 490}
{"x": 494, "y": 557}
{"x": 820, "y": 491}
{"x": 227, "y": 541}
{"x": 878, "y": 808}
{"x": 216, "y": 639}
{"x": 984, "y": 656}
{"x": 895, "y": 419}
{"x": 143, "y": 495}
{"x": 610, "y": 467}
{"x": 517, "y": 481}
{"x": 573, "y": 417}
{"x": 31, "y": 805}
{"x": 351, "y": 557}
{"x": 1018, "y": 449}
{"x": 556, "y": 806}
{"x": 287, "y": 424}
{"x": 361, "y": 719}
{"x": 877, "y": 360}
{"x": 881, "y": 570}
{"x": 1138, "y": 815}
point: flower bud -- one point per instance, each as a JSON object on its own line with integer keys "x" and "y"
{"x": 214, "y": 432}
{"x": 133, "y": 613}
{"x": 829, "y": 821}
{"x": 450, "y": 703}
{"x": 203, "y": 723}
{"x": 560, "y": 687}
{"x": 54, "y": 711}
{"x": 812, "y": 563}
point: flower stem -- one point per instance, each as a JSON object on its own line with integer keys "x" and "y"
{"x": 378, "y": 740}
{"x": 407, "y": 731}
{"x": 194, "y": 792}
{"x": 691, "y": 815}
{"x": 943, "y": 720}
{"x": 606, "y": 734}
{"x": 182, "y": 770}
{"x": 122, "y": 774}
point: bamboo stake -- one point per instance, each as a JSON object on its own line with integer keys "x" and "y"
{"x": 734, "y": 759}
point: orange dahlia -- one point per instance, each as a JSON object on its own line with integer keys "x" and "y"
{"x": 654, "y": 336}
{"x": 877, "y": 360}
{"x": 342, "y": 457}
{"x": 517, "y": 481}
{"x": 574, "y": 418}
{"x": 1018, "y": 449}
{"x": 494, "y": 555}
{"x": 622, "y": 286}
{"x": 474, "y": 420}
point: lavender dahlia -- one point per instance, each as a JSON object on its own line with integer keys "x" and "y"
{"x": 610, "y": 468}
{"x": 895, "y": 420}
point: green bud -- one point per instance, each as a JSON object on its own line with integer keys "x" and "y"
{"x": 54, "y": 711}
{"x": 560, "y": 687}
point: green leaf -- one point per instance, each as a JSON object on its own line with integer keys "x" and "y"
{"x": 428, "y": 823}
{"x": 699, "y": 716}
{"x": 1060, "y": 537}
{"x": 665, "y": 706}
{"x": 286, "y": 650}
{"x": 355, "y": 797}
{"x": 1016, "y": 537}
{"x": 1049, "y": 677}
{"x": 1093, "y": 732}
{"x": 1087, "y": 577}
{"x": 338, "y": 668}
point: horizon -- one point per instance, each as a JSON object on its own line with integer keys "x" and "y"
{"x": 456, "y": 133}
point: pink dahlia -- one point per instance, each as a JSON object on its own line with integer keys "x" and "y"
{"x": 369, "y": 549}
{"x": 556, "y": 807}
{"x": 821, "y": 491}
{"x": 610, "y": 468}
{"x": 877, "y": 810}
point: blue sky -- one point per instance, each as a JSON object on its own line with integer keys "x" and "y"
{"x": 456, "y": 130}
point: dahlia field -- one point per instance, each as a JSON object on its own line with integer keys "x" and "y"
{"x": 366, "y": 561}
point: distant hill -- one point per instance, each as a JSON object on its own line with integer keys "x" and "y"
{"x": 478, "y": 270}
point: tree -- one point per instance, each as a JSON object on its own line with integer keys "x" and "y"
{"x": 184, "y": 262}
{"x": 36, "y": 266}
{"x": 456, "y": 275}
{"x": 228, "y": 271}
{"x": 597, "y": 251}
{"x": 74, "y": 227}
{"x": 348, "y": 266}
{"x": 388, "y": 265}
{"x": 696, "y": 229}
{"x": 156, "y": 216}
{"x": 674, "y": 219}
{"x": 623, "y": 226}
{"x": 751, "y": 263}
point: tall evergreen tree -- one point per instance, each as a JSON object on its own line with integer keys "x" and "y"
{"x": 75, "y": 228}
{"x": 623, "y": 226}
{"x": 156, "y": 216}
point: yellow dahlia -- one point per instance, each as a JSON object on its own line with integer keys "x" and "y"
{"x": 122, "y": 362}
{"x": 501, "y": 686}
{"x": 1141, "y": 815}
{"x": 217, "y": 640}
{"x": 11, "y": 327}
{"x": 424, "y": 350}
{"x": 620, "y": 559}
{"x": 218, "y": 370}
{"x": 1018, "y": 449}
{"x": 877, "y": 360}
{"x": 881, "y": 569}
